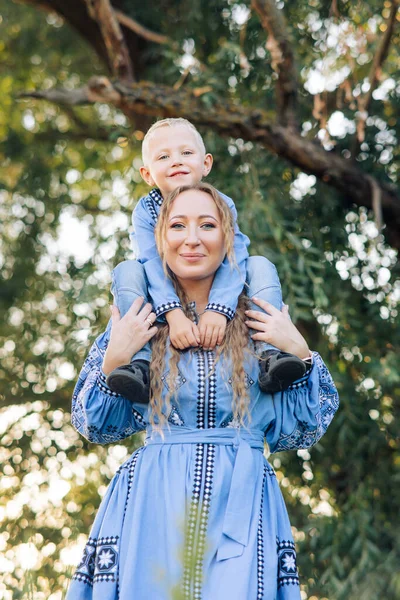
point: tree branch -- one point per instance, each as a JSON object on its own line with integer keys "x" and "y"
{"x": 381, "y": 54}
{"x": 145, "y": 33}
{"x": 364, "y": 102}
{"x": 102, "y": 12}
{"x": 282, "y": 62}
{"x": 254, "y": 125}
{"x": 60, "y": 96}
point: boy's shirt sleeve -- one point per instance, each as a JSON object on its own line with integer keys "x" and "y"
{"x": 228, "y": 283}
{"x": 161, "y": 289}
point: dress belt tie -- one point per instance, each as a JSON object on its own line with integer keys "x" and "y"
{"x": 245, "y": 481}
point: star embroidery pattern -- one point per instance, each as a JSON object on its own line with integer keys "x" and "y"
{"x": 289, "y": 562}
{"x": 106, "y": 558}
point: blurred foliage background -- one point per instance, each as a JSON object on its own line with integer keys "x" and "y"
{"x": 69, "y": 180}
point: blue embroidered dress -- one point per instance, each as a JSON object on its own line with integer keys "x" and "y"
{"x": 198, "y": 514}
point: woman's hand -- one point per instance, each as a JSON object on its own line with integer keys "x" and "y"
{"x": 277, "y": 329}
{"x": 129, "y": 334}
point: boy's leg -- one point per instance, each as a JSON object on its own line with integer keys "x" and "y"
{"x": 131, "y": 381}
{"x": 277, "y": 369}
{"x": 129, "y": 281}
{"x": 263, "y": 282}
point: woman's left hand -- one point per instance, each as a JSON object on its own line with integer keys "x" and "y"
{"x": 277, "y": 329}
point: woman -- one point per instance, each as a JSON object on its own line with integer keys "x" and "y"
{"x": 196, "y": 513}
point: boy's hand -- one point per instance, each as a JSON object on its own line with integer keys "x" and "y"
{"x": 212, "y": 327}
{"x": 183, "y": 333}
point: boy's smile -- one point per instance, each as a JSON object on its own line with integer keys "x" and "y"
{"x": 175, "y": 158}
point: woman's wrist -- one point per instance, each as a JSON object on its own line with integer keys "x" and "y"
{"x": 113, "y": 362}
{"x": 301, "y": 351}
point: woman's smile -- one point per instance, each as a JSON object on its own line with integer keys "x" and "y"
{"x": 192, "y": 257}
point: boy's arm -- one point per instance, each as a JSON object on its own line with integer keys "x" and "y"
{"x": 161, "y": 289}
{"x": 228, "y": 283}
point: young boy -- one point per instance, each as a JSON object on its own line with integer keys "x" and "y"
{"x": 174, "y": 155}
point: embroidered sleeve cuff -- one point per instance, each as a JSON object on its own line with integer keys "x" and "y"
{"x": 309, "y": 362}
{"x": 222, "y": 309}
{"x": 164, "y": 308}
{"x": 102, "y": 384}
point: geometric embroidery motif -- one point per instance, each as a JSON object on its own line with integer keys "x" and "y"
{"x": 155, "y": 195}
{"x": 230, "y": 422}
{"x": 91, "y": 375}
{"x": 260, "y": 545}
{"x": 221, "y": 308}
{"x": 99, "y": 561}
{"x": 175, "y": 416}
{"x": 160, "y": 310}
{"x": 151, "y": 200}
{"x": 248, "y": 381}
{"x": 287, "y": 567}
{"x": 179, "y": 381}
{"x": 197, "y": 521}
{"x": 151, "y": 209}
{"x": 304, "y": 436}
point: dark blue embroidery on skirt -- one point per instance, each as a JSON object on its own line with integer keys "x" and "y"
{"x": 287, "y": 566}
{"x": 99, "y": 561}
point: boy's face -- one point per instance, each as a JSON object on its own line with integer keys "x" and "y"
{"x": 175, "y": 158}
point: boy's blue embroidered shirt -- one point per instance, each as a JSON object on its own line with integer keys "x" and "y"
{"x": 228, "y": 282}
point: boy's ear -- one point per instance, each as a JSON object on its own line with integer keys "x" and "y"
{"x": 146, "y": 175}
{"x": 208, "y": 163}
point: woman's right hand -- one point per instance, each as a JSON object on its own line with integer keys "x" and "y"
{"x": 129, "y": 334}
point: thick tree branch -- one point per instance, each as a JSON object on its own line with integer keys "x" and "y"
{"x": 75, "y": 13}
{"x": 60, "y": 96}
{"x": 282, "y": 60}
{"x": 145, "y": 33}
{"x": 252, "y": 125}
{"x": 103, "y": 13}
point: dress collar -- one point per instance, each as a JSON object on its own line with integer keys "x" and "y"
{"x": 155, "y": 195}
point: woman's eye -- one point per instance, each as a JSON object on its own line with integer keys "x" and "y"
{"x": 177, "y": 226}
{"x": 208, "y": 226}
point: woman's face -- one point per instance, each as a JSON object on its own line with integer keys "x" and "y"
{"x": 194, "y": 244}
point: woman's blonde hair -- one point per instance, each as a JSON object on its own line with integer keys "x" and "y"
{"x": 235, "y": 343}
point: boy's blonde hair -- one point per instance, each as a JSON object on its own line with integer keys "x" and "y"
{"x": 168, "y": 123}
